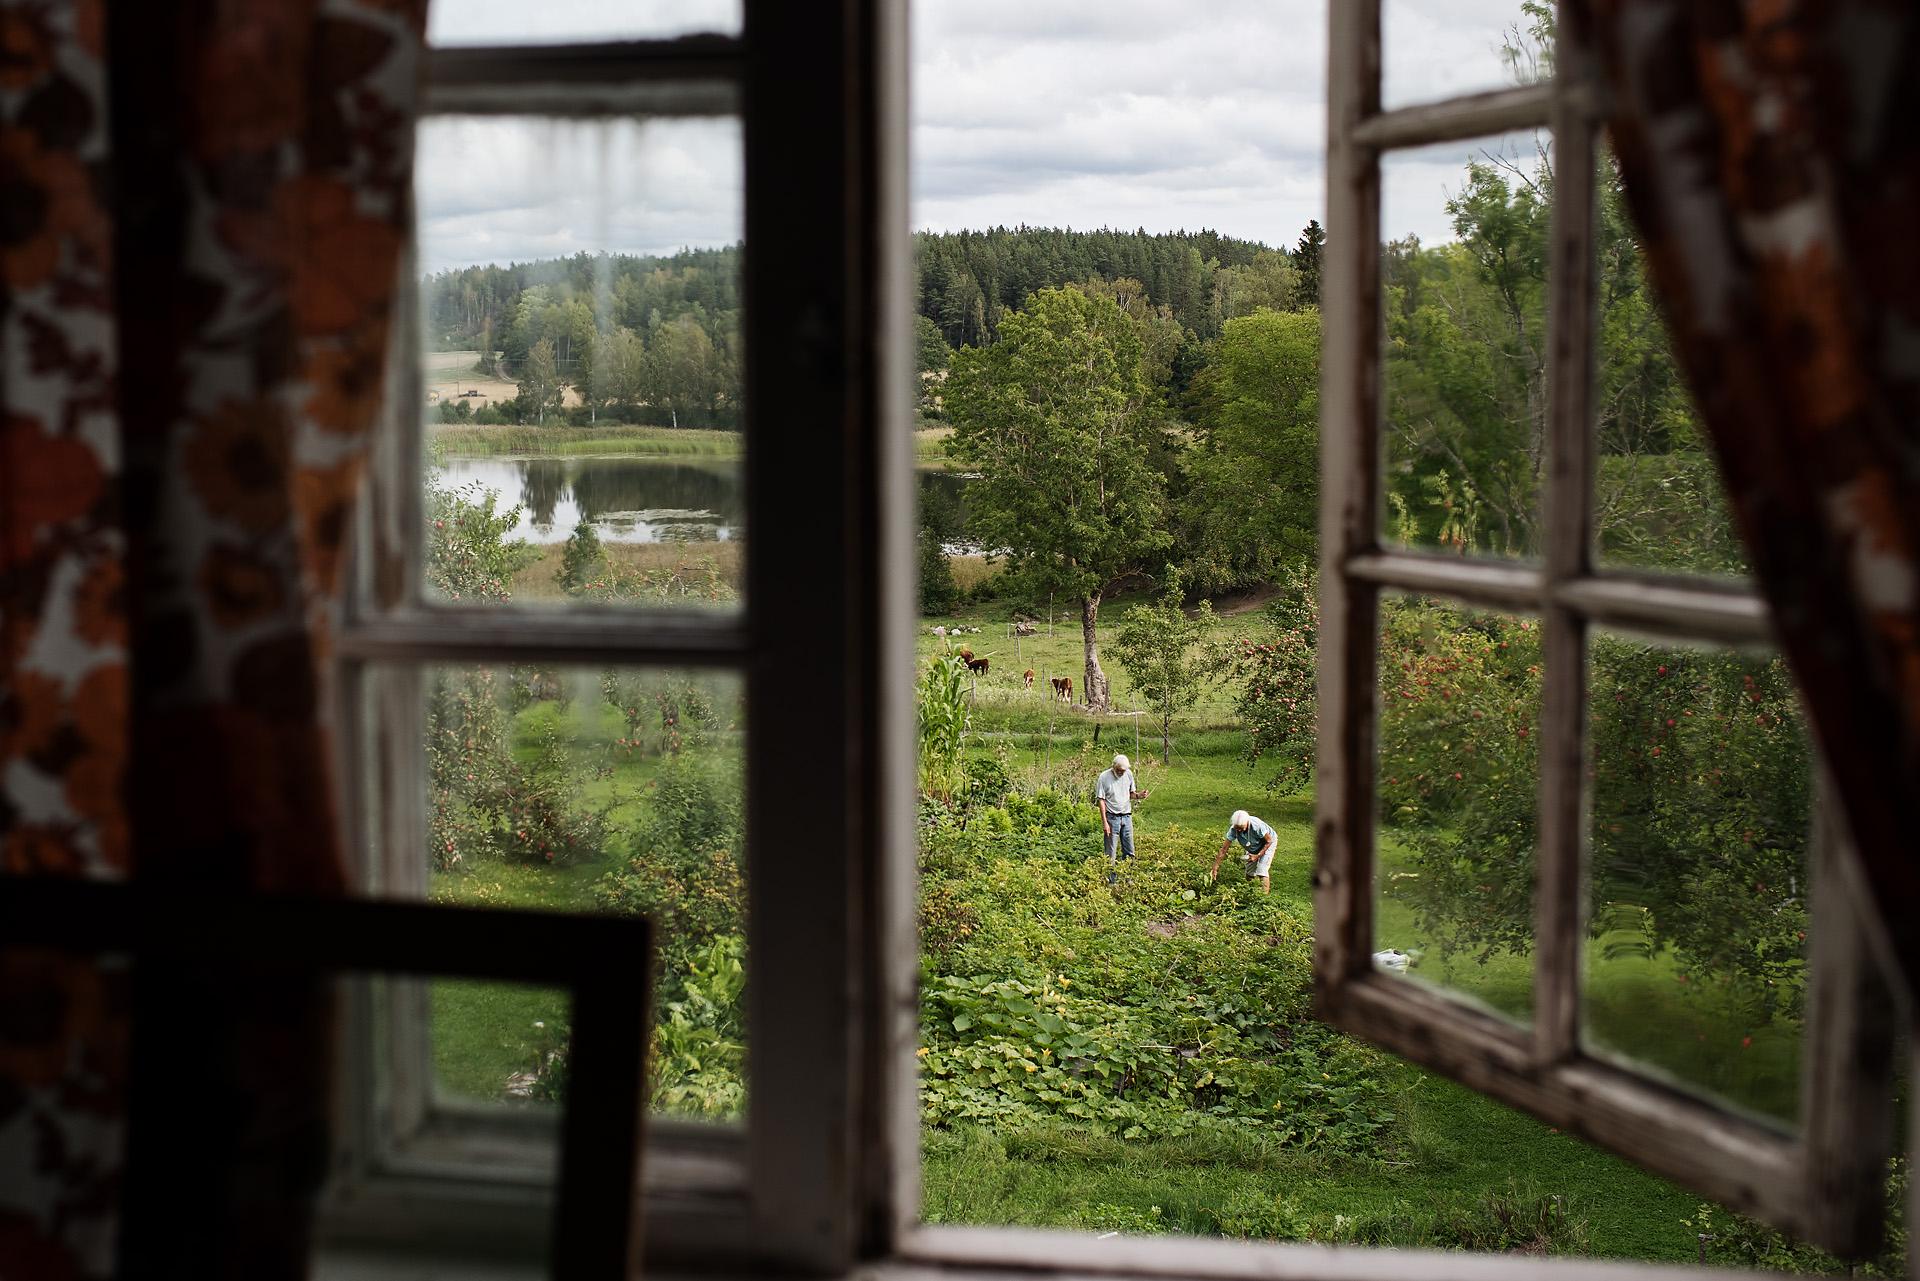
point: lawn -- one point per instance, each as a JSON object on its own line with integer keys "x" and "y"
{"x": 1456, "y": 1168}
{"x": 1456, "y": 1151}
{"x": 485, "y": 1032}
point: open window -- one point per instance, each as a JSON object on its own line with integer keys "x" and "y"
{"x": 782, "y": 378}
{"x": 1615, "y": 628}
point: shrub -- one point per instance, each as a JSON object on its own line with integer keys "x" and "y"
{"x": 1048, "y": 1000}
{"x": 582, "y": 560}
{"x": 1701, "y": 796}
{"x": 488, "y": 802}
{"x": 684, "y": 868}
{"x": 699, "y": 1050}
{"x": 468, "y": 555}
{"x": 938, "y": 591}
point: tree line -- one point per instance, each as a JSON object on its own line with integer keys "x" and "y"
{"x": 656, "y": 338}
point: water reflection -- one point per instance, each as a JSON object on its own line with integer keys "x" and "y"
{"x": 626, "y": 500}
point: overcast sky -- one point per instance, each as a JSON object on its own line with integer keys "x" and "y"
{"x": 1078, "y": 113}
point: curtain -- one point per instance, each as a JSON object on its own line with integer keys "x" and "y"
{"x": 202, "y": 211}
{"x": 1771, "y": 161}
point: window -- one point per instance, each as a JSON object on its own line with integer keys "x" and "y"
{"x": 822, "y": 1175}
{"x": 811, "y": 646}
{"x": 1551, "y": 1046}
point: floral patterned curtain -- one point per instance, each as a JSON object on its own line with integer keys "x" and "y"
{"x": 203, "y": 211}
{"x": 1771, "y": 158}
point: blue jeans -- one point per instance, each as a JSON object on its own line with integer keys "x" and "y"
{"x": 1121, "y": 835}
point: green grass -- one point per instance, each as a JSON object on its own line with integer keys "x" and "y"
{"x": 1452, "y": 1153}
{"x": 930, "y": 447}
{"x": 473, "y": 440}
{"x": 484, "y": 1032}
{"x": 478, "y": 440}
{"x": 1454, "y": 1148}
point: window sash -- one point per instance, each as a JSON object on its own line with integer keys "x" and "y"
{"x": 1823, "y": 1184}
{"x": 829, "y": 760}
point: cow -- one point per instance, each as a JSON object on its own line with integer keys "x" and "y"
{"x": 1028, "y": 678}
{"x": 978, "y": 666}
{"x": 1063, "y": 688}
{"x": 966, "y": 656}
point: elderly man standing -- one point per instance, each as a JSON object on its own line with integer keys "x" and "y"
{"x": 1115, "y": 793}
{"x": 1256, "y": 840}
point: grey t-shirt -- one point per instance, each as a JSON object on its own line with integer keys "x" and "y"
{"x": 1116, "y": 790}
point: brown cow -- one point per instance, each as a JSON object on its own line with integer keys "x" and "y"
{"x": 1063, "y": 688}
{"x": 966, "y": 656}
{"x": 1029, "y": 678}
{"x": 978, "y": 666}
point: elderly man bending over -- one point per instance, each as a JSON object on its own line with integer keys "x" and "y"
{"x": 1256, "y": 840}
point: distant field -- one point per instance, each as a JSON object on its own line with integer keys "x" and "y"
{"x": 447, "y": 375}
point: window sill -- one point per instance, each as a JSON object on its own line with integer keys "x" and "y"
{"x": 1005, "y": 1254}
{"x": 997, "y": 1254}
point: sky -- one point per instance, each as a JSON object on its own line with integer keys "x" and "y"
{"x": 1078, "y": 113}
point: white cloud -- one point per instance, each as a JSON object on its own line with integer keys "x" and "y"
{"x": 498, "y": 189}
{"x": 456, "y": 22}
{"x": 1081, "y": 113}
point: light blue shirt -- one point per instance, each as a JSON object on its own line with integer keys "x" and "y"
{"x": 1255, "y": 838}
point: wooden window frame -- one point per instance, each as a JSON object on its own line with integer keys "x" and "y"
{"x": 1823, "y": 1183}
{"x": 824, "y": 317}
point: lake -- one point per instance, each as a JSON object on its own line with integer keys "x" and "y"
{"x": 626, "y": 500}
{"x": 634, "y": 500}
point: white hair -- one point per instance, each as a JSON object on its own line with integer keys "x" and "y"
{"x": 1241, "y": 818}
{"x": 1121, "y": 763}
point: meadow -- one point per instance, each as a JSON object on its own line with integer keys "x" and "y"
{"x": 1167, "y": 971}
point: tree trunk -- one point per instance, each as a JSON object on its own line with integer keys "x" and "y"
{"x": 1166, "y": 739}
{"x": 1096, "y": 687}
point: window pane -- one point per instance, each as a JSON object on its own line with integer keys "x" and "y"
{"x": 1464, "y": 373}
{"x": 480, "y": 22}
{"x": 1659, "y": 502}
{"x": 1433, "y": 49}
{"x": 1702, "y": 818}
{"x": 582, "y": 789}
{"x": 1458, "y": 784}
{"x": 580, "y": 309}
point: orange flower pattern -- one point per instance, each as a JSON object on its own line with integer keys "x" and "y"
{"x": 203, "y": 527}
{"x": 1771, "y": 166}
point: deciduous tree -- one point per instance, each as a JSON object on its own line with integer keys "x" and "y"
{"x": 1168, "y": 655}
{"x": 1057, "y": 415}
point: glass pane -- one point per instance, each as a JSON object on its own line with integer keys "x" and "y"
{"x": 586, "y": 789}
{"x": 1433, "y": 49}
{"x": 480, "y": 22}
{"x": 1659, "y": 502}
{"x": 1702, "y": 818}
{"x": 1464, "y": 373}
{"x": 1458, "y": 782}
{"x": 580, "y": 311}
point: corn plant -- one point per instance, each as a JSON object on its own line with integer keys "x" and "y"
{"x": 944, "y": 726}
